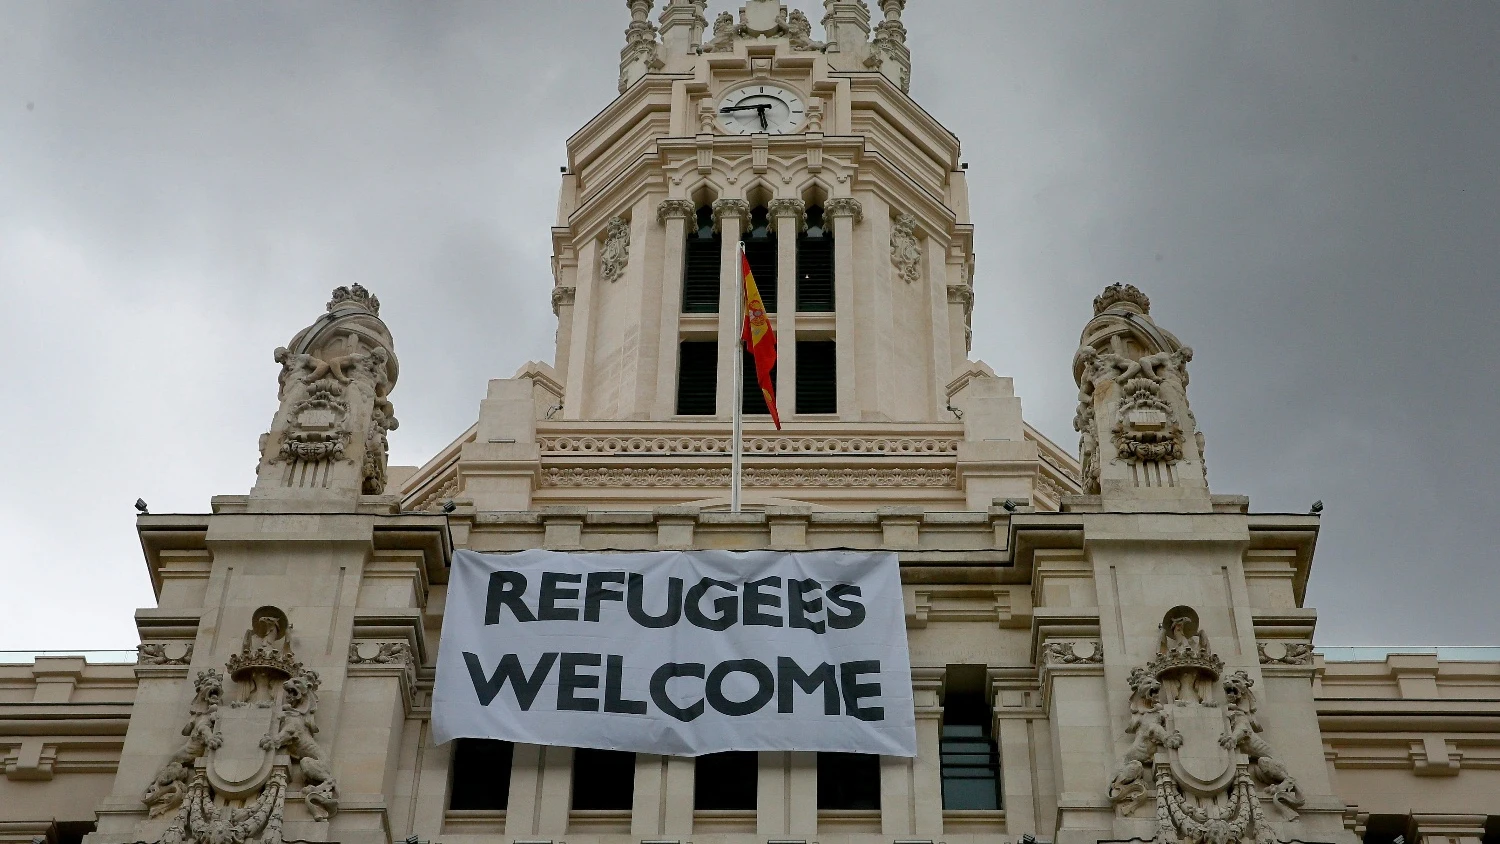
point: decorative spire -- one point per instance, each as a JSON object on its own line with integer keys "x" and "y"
{"x": 640, "y": 54}
{"x": 888, "y": 52}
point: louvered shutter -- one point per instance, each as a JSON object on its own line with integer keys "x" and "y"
{"x": 697, "y": 377}
{"x": 817, "y": 381}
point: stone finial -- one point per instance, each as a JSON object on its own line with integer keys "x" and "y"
{"x": 888, "y": 52}
{"x": 1118, "y": 293}
{"x": 1139, "y": 443}
{"x": 328, "y": 438}
{"x": 640, "y": 55}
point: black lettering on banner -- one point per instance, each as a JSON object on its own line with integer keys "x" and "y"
{"x": 659, "y": 696}
{"x": 799, "y": 606}
{"x": 550, "y": 593}
{"x": 755, "y": 599}
{"x": 714, "y": 688}
{"x": 506, "y": 588}
{"x": 635, "y": 599}
{"x": 509, "y": 669}
{"x": 838, "y": 596}
{"x": 614, "y": 676}
{"x": 569, "y": 681}
{"x": 728, "y": 606}
{"x": 594, "y": 593}
{"x": 855, "y": 690}
{"x": 788, "y": 672}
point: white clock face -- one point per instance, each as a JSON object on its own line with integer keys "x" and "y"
{"x": 760, "y": 108}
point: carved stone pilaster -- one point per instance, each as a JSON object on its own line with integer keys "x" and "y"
{"x": 844, "y": 206}
{"x": 674, "y": 208}
{"x": 614, "y": 255}
{"x": 731, "y": 208}
{"x": 791, "y": 209}
{"x": 562, "y": 296}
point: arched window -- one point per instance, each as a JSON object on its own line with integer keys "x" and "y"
{"x": 815, "y": 264}
{"x": 760, "y": 249}
{"x": 700, "y": 274}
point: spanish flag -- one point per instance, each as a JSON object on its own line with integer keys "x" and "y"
{"x": 759, "y": 339}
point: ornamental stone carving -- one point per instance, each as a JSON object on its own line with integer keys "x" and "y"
{"x": 724, "y": 32}
{"x": 1195, "y": 746}
{"x": 844, "y": 206}
{"x": 1284, "y": 653}
{"x": 562, "y": 296}
{"x": 615, "y": 253}
{"x": 643, "y": 477}
{"x": 228, "y": 783}
{"x": 737, "y": 208}
{"x": 1132, "y": 399}
{"x": 672, "y": 209}
{"x": 799, "y": 33}
{"x": 787, "y": 207}
{"x": 906, "y": 250}
{"x": 156, "y": 654}
{"x": 641, "y": 54}
{"x": 329, "y": 436}
{"x": 1073, "y": 653}
{"x": 385, "y": 653}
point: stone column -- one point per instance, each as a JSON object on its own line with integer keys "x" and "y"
{"x": 911, "y": 790}
{"x": 674, "y": 215}
{"x": 789, "y": 218}
{"x": 730, "y": 215}
{"x": 845, "y": 212}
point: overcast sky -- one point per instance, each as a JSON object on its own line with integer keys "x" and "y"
{"x": 1309, "y": 193}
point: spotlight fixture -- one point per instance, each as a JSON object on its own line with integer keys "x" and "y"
{"x": 1317, "y": 508}
{"x": 1010, "y": 507}
{"x": 1028, "y": 838}
{"x": 448, "y": 507}
{"x": 140, "y": 506}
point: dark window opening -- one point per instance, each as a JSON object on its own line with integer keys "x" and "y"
{"x": 481, "y": 774}
{"x": 848, "y": 781}
{"x": 700, "y": 272}
{"x": 1387, "y": 829}
{"x": 725, "y": 781}
{"x": 970, "y": 759}
{"x": 815, "y": 265}
{"x": 760, "y": 251}
{"x": 817, "y": 376}
{"x": 697, "y": 377}
{"x": 603, "y": 779}
{"x": 752, "y": 399}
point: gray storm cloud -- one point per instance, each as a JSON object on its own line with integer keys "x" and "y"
{"x": 1309, "y": 193}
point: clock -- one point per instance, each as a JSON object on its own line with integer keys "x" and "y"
{"x": 760, "y": 108}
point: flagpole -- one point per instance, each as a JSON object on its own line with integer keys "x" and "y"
{"x": 737, "y": 446}
{"x": 738, "y": 400}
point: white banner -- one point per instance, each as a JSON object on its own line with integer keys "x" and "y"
{"x": 677, "y": 652}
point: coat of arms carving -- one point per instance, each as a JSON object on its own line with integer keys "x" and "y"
{"x": 1196, "y": 747}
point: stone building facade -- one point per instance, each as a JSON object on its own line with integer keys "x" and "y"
{"x": 1103, "y": 649}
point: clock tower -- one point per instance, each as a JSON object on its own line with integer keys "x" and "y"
{"x": 851, "y": 205}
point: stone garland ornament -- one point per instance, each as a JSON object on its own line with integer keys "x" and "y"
{"x": 156, "y": 654}
{"x": 906, "y": 251}
{"x": 229, "y": 781}
{"x": 1067, "y": 653}
{"x": 616, "y": 252}
{"x": 1196, "y": 747}
{"x": 1284, "y": 653}
{"x": 386, "y": 653}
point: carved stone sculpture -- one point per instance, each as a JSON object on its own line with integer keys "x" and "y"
{"x": 329, "y": 436}
{"x": 799, "y": 33}
{"x": 156, "y": 654}
{"x": 723, "y": 40}
{"x": 615, "y": 253}
{"x": 1132, "y": 399}
{"x": 844, "y": 206}
{"x": 641, "y": 54}
{"x": 228, "y": 783}
{"x": 1196, "y": 746}
{"x": 906, "y": 251}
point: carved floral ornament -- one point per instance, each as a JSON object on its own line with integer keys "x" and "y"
{"x": 762, "y": 19}
{"x": 1196, "y": 746}
{"x": 906, "y": 250}
{"x": 248, "y": 742}
{"x": 615, "y": 253}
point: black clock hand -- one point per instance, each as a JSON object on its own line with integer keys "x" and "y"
{"x": 761, "y": 113}
{"x": 728, "y": 109}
